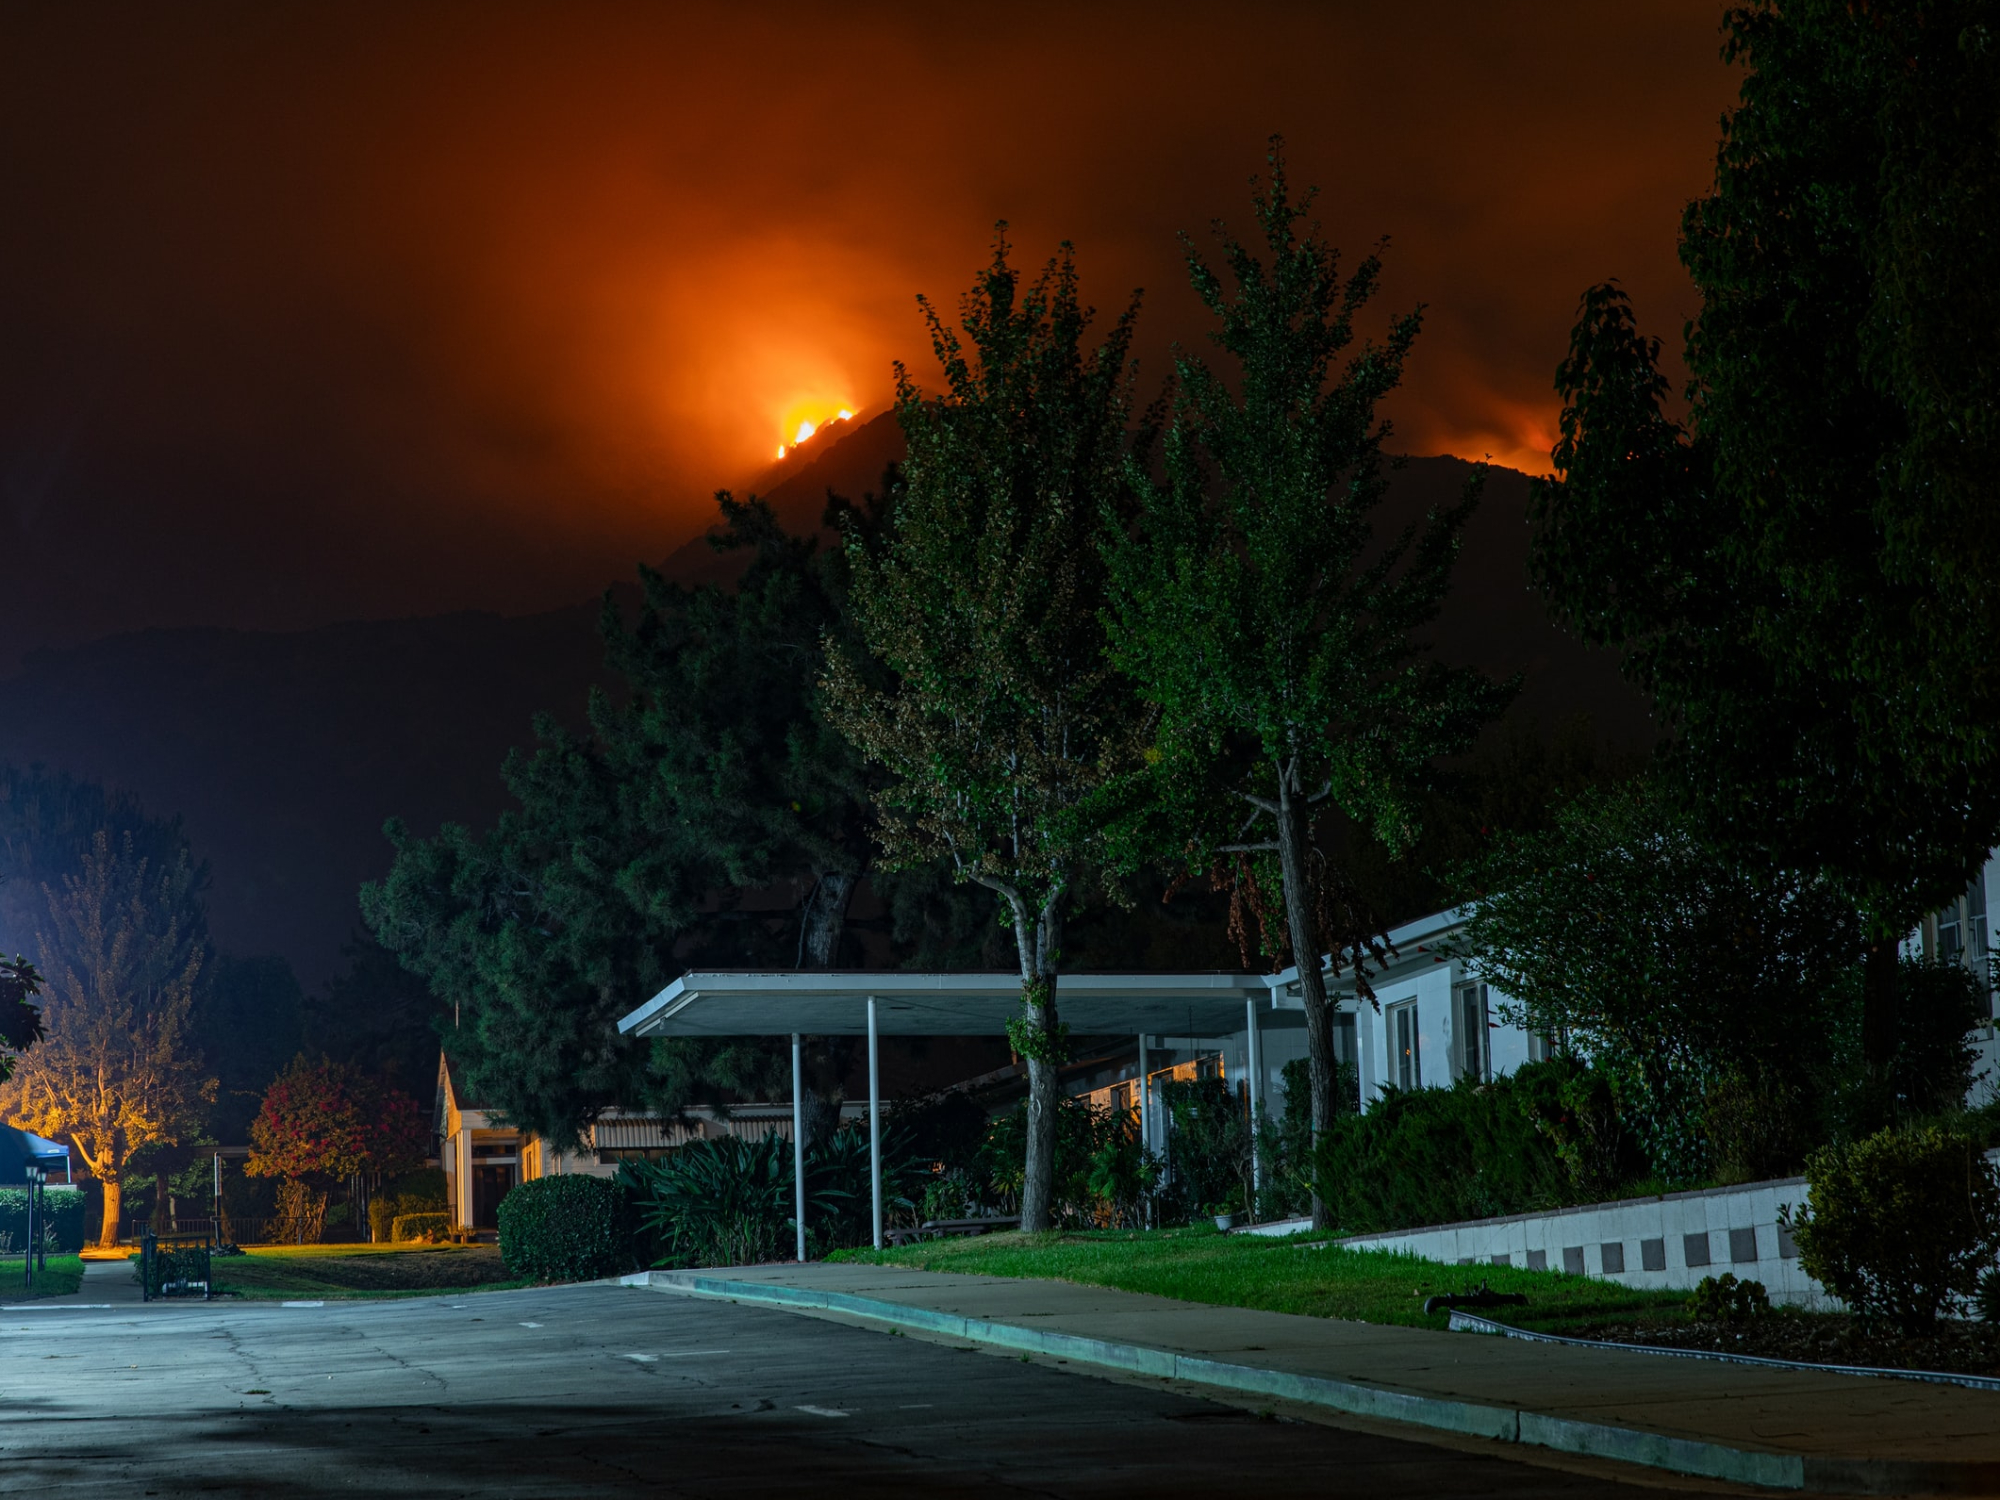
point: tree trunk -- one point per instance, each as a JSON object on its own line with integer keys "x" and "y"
{"x": 114, "y": 1206}
{"x": 824, "y": 919}
{"x": 1039, "y": 1041}
{"x": 1879, "y": 973}
{"x": 1305, "y": 954}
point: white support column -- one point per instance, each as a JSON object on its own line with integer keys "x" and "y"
{"x": 798, "y": 1148}
{"x": 874, "y": 1123}
{"x": 1145, "y": 1098}
{"x": 1253, "y": 1049}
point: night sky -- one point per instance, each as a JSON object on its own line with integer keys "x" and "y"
{"x": 344, "y": 311}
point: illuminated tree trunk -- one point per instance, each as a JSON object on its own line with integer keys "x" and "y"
{"x": 114, "y": 1207}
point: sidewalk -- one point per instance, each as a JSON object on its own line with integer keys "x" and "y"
{"x": 1781, "y": 1429}
{"x": 104, "y": 1281}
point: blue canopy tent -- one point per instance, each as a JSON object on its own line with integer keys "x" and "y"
{"x": 19, "y": 1150}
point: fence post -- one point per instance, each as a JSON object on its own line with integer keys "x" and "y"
{"x": 147, "y": 1255}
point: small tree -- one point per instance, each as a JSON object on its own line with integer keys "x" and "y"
{"x": 1253, "y": 606}
{"x": 124, "y": 945}
{"x": 1674, "y": 971}
{"x": 323, "y": 1121}
{"x": 1005, "y": 725}
{"x": 1901, "y": 1225}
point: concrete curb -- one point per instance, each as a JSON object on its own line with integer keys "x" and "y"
{"x": 1709, "y": 1460}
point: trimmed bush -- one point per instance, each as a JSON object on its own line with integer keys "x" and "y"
{"x": 1437, "y": 1156}
{"x": 1900, "y": 1225}
{"x": 62, "y": 1208}
{"x": 420, "y": 1192}
{"x": 425, "y": 1228}
{"x": 572, "y": 1228}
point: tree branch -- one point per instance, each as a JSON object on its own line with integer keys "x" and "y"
{"x": 1247, "y": 848}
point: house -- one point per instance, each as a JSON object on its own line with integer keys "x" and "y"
{"x": 484, "y": 1157}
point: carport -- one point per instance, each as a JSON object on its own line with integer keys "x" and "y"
{"x": 904, "y": 1003}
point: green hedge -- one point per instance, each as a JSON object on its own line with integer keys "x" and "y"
{"x": 420, "y": 1192}
{"x": 1442, "y": 1155}
{"x": 572, "y": 1228}
{"x": 410, "y": 1228}
{"x": 63, "y": 1207}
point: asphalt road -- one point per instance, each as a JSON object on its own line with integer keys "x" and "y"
{"x": 608, "y": 1391}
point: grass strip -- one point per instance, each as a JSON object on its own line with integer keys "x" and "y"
{"x": 1289, "y": 1275}
{"x": 60, "y": 1276}
{"x": 357, "y": 1271}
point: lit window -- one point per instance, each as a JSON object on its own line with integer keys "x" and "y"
{"x": 1403, "y": 1039}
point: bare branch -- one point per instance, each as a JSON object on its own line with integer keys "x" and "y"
{"x": 1247, "y": 848}
{"x": 1262, "y": 804}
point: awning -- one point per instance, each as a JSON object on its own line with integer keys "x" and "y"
{"x": 18, "y": 1149}
{"x": 920, "y": 1004}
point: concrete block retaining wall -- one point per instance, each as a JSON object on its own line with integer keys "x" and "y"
{"x": 1668, "y": 1242}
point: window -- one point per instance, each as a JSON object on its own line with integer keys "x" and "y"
{"x": 1469, "y": 1022}
{"x": 1344, "y": 1050}
{"x": 1405, "y": 1062}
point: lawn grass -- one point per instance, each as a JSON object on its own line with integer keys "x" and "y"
{"x": 58, "y": 1277}
{"x": 1291, "y": 1275}
{"x": 345, "y": 1271}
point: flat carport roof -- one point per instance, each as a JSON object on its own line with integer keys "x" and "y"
{"x": 927, "y": 1004}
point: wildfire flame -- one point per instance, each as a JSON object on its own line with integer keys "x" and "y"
{"x": 807, "y": 427}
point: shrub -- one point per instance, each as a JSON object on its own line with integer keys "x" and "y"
{"x": 424, "y": 1228}
{"x": 62, "y": 1212}
{"x": 571, "y": 1228}
{"x": 1986, "y": 1302}
{"x": 1208, "y": 1148}
{"x": 729, "y": 1201}
{"x": 420, "y": 1192}
{"x": 1098, "y": 1146}
{"x": 1435, "y": 1156}
{"x": 1724, "y": 1299}
{"x": 1901, "y": 1224}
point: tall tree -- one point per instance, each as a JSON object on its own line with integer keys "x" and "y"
{"x": 1004, "y": 726}
{"x": 722, "y": 737}
{"x": 1255, "y": 608}
{"x": 1796, "y": 570}
{"x": 123, "y": 947}
{"x": 532, "y": 941}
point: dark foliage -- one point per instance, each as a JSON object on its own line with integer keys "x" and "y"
{"x": 572, "y": 1228}
{"x": 1437, "y": 1156}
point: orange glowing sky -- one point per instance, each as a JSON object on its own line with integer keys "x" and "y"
{"x": 320, "y": 312}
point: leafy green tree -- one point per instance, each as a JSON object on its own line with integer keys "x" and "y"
{"x": 123, "y": 946}
{"x": 1798, "y": 571}
{"x": 1677, "y": 974}
{"x": 1004, "y": 727}
{"x": 1255, "y": 608}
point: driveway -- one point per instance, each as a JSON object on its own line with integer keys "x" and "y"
{"x": 609, "y": 1391}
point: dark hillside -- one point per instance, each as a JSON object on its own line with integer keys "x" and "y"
{"x": 285, "y": 751}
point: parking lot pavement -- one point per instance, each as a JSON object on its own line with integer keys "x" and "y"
{"x": 605, "y": 1391}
